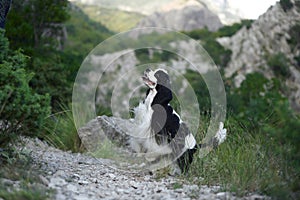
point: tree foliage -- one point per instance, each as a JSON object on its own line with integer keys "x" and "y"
{"x": 29, "y": 21}
{"x": 280, "y": 65}
{"x": 286, "y": 5}
{"x": 36, "y": 26}
{"x": 22, "y": 110}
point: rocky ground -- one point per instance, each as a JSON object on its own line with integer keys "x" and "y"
{"x": 79, "y": 177}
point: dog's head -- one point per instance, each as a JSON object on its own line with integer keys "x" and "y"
{"x": 158, "y": 77}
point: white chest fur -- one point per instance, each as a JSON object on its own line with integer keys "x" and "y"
{"x": 143, "y": 139}
{"x": 150, "y": 97}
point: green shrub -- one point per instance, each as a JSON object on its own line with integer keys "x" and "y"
{"x": 297, "y": 59}
{"x": 218, "y": 53}
{"x": 280, "y": 65}
{"x": 228, "y": 31}
{"x": 254, "y": 101}
{"x": 51, "y": 76}
{"x": 199, "y": 86}
{"x": 28, "y": 21}
{"x": 200, "y": 34}
{"x": 143, "y": 55}
{"x": 286, "y": 5}
{"x": 22, "y": 111}
{"x": 294, "y": 32}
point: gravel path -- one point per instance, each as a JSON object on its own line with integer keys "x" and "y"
{"x": 80, "y": 177}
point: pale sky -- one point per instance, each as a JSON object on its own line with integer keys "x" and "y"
{"x": 252, "y": 8}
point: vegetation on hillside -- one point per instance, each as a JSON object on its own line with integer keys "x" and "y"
{"x": 83, "y": 33}
{"x": 22, "y": 110}
{"x": 261, "y": 153}
{"x": 114, "y": 19}
{"x": 218, "y": 53}
{"x": 286, "y": 5}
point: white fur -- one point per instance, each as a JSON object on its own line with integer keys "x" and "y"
{"x": 152, "y": 78}
{"x": 189, "y": 141}
{"x": 175, "y": 113}
{"x": 143, "y": 139}
{"x": 150, "y": 75}
{"x": 221, "y": 134}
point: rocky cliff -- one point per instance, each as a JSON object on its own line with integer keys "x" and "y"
{"x": 268, "y": 36}
{"x": 225, "y": 10}
{"x": 187, "y": 17}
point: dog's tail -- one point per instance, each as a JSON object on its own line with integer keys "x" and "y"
{"x": 218, "y": 139}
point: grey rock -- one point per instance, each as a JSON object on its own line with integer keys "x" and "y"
{"x": 72, "y": 180}
{"x": 81, "y": 182}
{"x": 72, "y": 188}
{"x": 267, "y": 36}
{"x": 224, "y": 195}
{"x": 112, "y": 176}
{"x": 7, "y": 182}
{"x": 44, "y": 180}
{"x": 101, "y": 129}
{"x": 57, "y": 181}
{"x": 188, "y": 18}
{"x": 133, "y": 184}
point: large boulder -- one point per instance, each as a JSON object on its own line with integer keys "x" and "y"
{"x": 102, "y": 128}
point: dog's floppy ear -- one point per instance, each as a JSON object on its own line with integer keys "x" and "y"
{"x": 162, "y": 78}
{"x": 163, "y": 87}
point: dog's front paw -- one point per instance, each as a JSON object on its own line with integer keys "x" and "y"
{"x": 221, "y": 134}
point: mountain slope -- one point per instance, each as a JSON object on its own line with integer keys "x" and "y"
{"x": 114, "y": 19}
{"x": 266, "y": 47}
{"x": 190, "y": 16}
{"x": 83, "y": 33}
{"x": 223, "y": 8}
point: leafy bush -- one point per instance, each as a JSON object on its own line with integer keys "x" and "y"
{"x": 201, "y": 90}
{"x": 280, "y": 65}
{"x": 22, "y": 111}
{"x": 297, "y": 59}
{"x": 143, "y": 55}
{"x": 228, "y": 31}
{"x": 37, "y": 20}
{"x": 41, "y": 25}
{"x": 218, "y": 53}
{"x": 286, "y": 5}
{"x": 254, "y": 101}
{"x": 83, "y": 33}
{"x": 294, "y": 32}
{"x": 51, "y": 76}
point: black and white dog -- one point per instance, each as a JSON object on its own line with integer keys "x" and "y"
{"x": 160, "y": 130}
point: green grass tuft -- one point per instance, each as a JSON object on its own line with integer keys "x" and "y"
{"x": 247, "y": 163}
{"x": 61, "y": 131}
